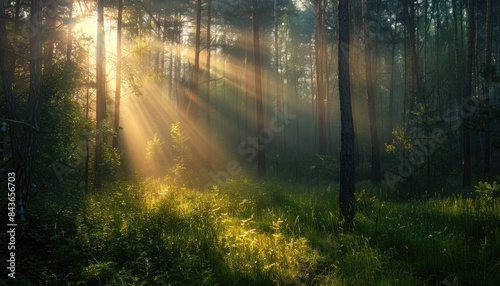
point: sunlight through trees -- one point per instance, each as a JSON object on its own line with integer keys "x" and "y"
{"x": 250, "y": 142}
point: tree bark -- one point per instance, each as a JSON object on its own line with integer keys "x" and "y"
{"x": 487, "y": 139}
{"x": 392, "y": 85}
{"x": 32, "y": 108}
{"x": 346, "y": 194}
{"x": 354, "y": 72}
{"x": 413, "y": 36}
{"x": 261, "y": 155}
{"x": 370, "y": 70}
{"x": 326, "y": 81}
{"x": 51, "y": 27}
{"x": 116, "y": 137}
{"x": 277, "y": 77}
{"x": 207, "y": 84}
{"x": 435, "y": 4}
{"x": 457, "y": 43}
{"x": 15, "y": 130}
{"x": 320, "y": 74}
{"x": 24, "y": 135}
{"x": 100, "y": 95}
{"x": 69, "y": 39}
{"x": 17, "y": 26}
{"x": 194, "y": 97}
{"x": 162, "y": 56}
{"x": 467, "y": 94}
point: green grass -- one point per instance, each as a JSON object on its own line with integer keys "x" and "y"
{"x": 261, "y": 233}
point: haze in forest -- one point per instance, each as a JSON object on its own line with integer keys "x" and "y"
{"x": 280, "y": 142}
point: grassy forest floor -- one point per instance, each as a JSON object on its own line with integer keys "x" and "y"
{"x": 256, "y": 233}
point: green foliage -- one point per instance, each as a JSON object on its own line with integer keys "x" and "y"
{"x": 181, "y": 145}
{"x": 171, "y": 158}
{"x": 111, "y": 161}
{"x": 488, "y": 191}
{"x": 420, "y": 152}
{"x": 62, "y": 119}
{"x": 98, "y": 272}
{"x": 260, "y": 233}
{"x": 401, "y": 143}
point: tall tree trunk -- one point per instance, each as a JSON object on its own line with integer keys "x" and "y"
{"x": 354, "y": 73}
{"x": 207, "y": 84}
{"x": 87, "y": 143}
{"x": 277, "y": 77}
{"x": 424, "y": 40}
{"x": 458, "y": 73}
{"x": 245, "y": 73}
{"x": 194, "y": 97}
{"x": 100, "y": 95}
{"x": 69, "y": 37}
{"x": 413, "y": 36}
{"x": 116, "y": 138}
{"x": 177, "y": 68}
{"x": 405, "y": 74}
{"x": 51, "y": 27}
{"x": 15, "y": 130}
{"x": 157, "y": 50}
{"x": 24, "y": 135}
{"x": 313, "y": 100}
{"x": 162, "y": 57}
{"x": 476, "y": 57}
{"x": 33, "y": 106}
{"x": 487, "y": 139}
{"x": 435, "y": 4}
{"x": 6, "y": 73}
{"x": 370, "y": 70}
{"x": 170, "y": 70}
{"x": 326, "y": 81}
{"x": 392, "y": 84}
{"x": 320, "y": 76}
{"x": 467, "y": 94}
{"x": 17, "y": 26}
{"x": 193, "y": 108}
{"x": 261, "y": 155}
{"x": 346, "y": 194}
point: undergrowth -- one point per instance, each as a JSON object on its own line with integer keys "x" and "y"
{"x": 258, "y": 233}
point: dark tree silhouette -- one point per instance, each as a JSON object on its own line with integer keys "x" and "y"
{"x": 371, "y": 71}
{"x": 466, "y": 171}
{"x": 346, "y": 194}
{"x": 101, "y": 94}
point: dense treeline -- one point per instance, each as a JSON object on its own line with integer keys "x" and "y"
{"x": 203, "y": 97}
{"x": 407, "y": 66}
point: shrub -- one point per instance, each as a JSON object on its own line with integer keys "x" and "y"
{"x": 488, "y": 191}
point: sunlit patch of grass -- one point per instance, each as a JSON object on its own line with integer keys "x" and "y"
{"x": 275, "y": 233}
{"x": 272, "y": 257}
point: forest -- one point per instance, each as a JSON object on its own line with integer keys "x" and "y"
{"x": 250, "y": 142}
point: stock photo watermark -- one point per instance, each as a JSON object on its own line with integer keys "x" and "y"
{"x": 409, "y": 164}
{"x": 11, "y": 224}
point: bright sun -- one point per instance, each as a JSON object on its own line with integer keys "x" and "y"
{"x": 88, "y": 25}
